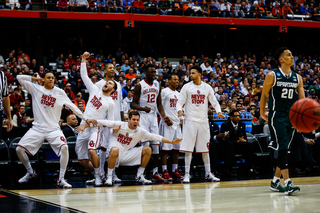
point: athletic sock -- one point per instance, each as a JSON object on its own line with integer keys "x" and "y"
{"x": 155, "y": 170}
{"x": 164, "y": 167}
{"x": 286, "y": 181}
{"x": 275, "y": 179}
{"x": 140, "y": 171}
{"x": 174, "y": 167}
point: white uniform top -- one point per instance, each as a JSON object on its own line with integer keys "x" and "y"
{"x": 116, "y": 97}
{"x": 196, "y": 97}
{"x": 169, "y": 100}
{"x": 148, "y": 95}
{"x": 98, "y": 106}
{"x": 127, "y": 138}
{"x": 126, "y": 104}
{"x": 47, "y": 104}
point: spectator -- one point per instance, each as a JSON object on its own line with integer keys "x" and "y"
{"x": 163, "y": 7}
{"x": 176, "y": 8}
{"x": 226, "y": 9}
{"x": 19, "y": 117}
{"x": 79, "y": 99}
{"x": 63, "y": 5}
{"x": 10, "y": 78}
{"x": 138, "y": 7}
{"x": 127, "y": 101}
{"x": 316, "y": 15}
{"x": 15, "y": 97}
{"x": 80, "y": 6}
{"x": 125, "y": 66}
{"x": 68, "y": 86}
{"x": 285, "y": 10}
{"x": 151, "y": 7}
{"x": 128, "y": 85}
{"x": 130, "y": 74}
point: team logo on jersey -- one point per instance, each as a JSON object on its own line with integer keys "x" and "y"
{"x": 173, "y": 101}
{"x": 124, "y": 139}
{"x": 115, "y": 95}
{"x": 155, "y": 83}
{"x": 198, "y": 98}
{"x": 63, "y": 139}
{"x": 278, "y": 74}
{"x": 149, "y": 90}
{"x": 294, "y": 79}
{"x": 96, "y": 102}
{"x": 48, "y": 100}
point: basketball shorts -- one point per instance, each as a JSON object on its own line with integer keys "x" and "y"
{"x": 195, "y": 135}
{"x": 35, "y": 137}
{"x": 131, "y": 157}
{"x": 88, "y": 140}
{"x": 171, "y": 133}
{"x": 149, "y": 122}
{"x": 105, "y": 137}
{"x": 281, "y": 130}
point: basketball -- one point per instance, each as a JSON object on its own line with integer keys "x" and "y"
{"x": 305, "y": 115}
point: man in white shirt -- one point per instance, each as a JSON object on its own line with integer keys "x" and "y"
{"x": 47, "y": 103}
{"x": 122, "y": 150}
{"x": 195, "y": 97}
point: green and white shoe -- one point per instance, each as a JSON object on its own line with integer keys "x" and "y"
{"x": 277, "y": 186}
{"x": 290, "y": 188}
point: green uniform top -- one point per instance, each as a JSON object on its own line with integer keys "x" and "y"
{"x": 281, "y": 93}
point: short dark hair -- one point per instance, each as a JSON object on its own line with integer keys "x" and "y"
{"x": 115, "y": 86}
{"x": 133, "y": 113}
{"x": 170, "y": 76}
{"x": 279, "y": 53}
{"x": 149, "y": 66}
{"x": 233, "y": 111}
{"x": 47, "y": 73}
{"x": 238, "y": 103}
{"x": 199, "y": 70}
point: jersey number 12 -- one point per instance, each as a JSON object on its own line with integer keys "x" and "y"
{"x": 151, "y": 98}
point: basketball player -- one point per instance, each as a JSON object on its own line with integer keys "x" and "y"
{"x": 280, "y": 86}
{"x": 121, "y": 145}
{"x": 118, "y": 116}
{"x": 169, "y": 98}
{"x": 47, "y": 103}
{"x": 196, "y": 133}
{"x": 99, "y": 106}
{"x": 147, "y": 100}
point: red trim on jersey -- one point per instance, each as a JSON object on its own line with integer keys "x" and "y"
{"x": 26, "y": 150}
{"x": 148, "y": 83}
{"x": 60, "y": 148}
{"x": 185, "y": 151}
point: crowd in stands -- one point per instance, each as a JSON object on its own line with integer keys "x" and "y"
{"x": 237, "y": 79}
{"x": 236, "y": 8}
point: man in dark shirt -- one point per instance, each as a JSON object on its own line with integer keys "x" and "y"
{"x": 72, "y": 122}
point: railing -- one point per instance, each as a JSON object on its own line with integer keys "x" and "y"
{"x": 176, "y": 8}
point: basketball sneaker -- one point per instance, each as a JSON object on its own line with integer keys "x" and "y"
{"x": 141, "y": 179}
{"x": 290, "y": 188}
{"x": 108, "y": 181}
{"x": 98, "y": 181}
{"x": 115, "y": 179}
{"x": 186, "y": 178}
{"x": 157, "y": 178}
{"x": 211, "y": 178}
{"x": 91, "y": 182}
{"x": 27, "y": 177}
{"x": 277, "y": 186}
{"x": 103, "y": 177}
{"x": 62, "y": 183}
{"x": 166, "y": 176}
{"x": 176, "y": 174}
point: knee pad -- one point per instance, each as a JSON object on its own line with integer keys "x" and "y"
{"x": 283, "y": 159}
{"x": 155, "y": 149}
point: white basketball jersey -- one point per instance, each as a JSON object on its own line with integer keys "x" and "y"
{"x": 148, "y": 95}
{"x": 169, "y": 102}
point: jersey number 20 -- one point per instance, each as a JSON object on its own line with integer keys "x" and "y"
{"x": 287, "y": 93}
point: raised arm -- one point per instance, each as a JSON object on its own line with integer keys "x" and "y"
{"x": 84, "y": 74}
{"x": 26, "y": 82}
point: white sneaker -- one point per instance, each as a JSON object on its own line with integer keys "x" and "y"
{"x": 103, "y": 177}
{"x": 115, "y": 179}
{"x": 27, "y": 177}
{"x": 186, "y": 178}
{"x": 211, "y": 178}
{"x": 108, "y": 181}
{"x": 91, "y": 182}
{"x": 98, "y": 181}
{"x": 63, "y": 184}
{"x": 141, "y": 179}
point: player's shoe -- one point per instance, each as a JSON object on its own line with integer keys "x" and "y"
{"x": 166, "y": 176}
{"x": 108, "y": 181}
{"x": 27, "y": 177}
{"x": 290, "y": 188}
{"x": 186, "y": 178}
{"x": 103, "y": 177}
{"x": 157, "y": 178}
{"x": 211, "y": 178}
{"x": 141, "y": 179}
{"x": 62, "y": 183}
{"x": 277, "y": 186}
{"x": 90, "y": 182}
{"x": 176, "y": 174}
{"x": 98, "y": 181}
{"x": 115, "y": 179}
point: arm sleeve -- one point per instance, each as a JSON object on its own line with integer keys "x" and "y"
{"x": 150, "y": 136}
{"x": 182, "y": 98}
{"x": 25, "y": 81}
{"x": 108, "y": 123}
{"x": 213, "y": 100}
{"x": 71, "y": 105}
{"x": 86, "y": 80}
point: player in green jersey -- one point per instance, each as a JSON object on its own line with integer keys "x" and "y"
{"x": 280, "y": 86}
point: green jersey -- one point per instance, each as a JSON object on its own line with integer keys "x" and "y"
{"x": 281, "y": 96}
